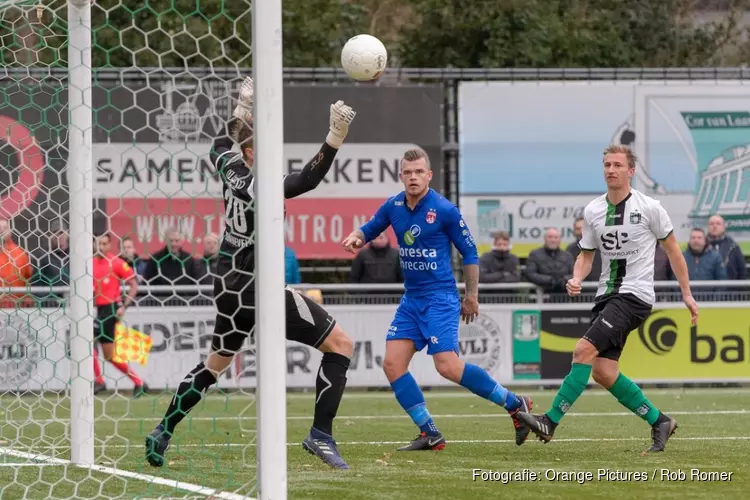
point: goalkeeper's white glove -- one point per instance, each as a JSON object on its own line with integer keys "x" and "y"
{"x": 244, "y": 108}
{"x": 341, "y": 117}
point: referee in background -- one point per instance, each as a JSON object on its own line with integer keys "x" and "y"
{"x": 109, "y": 270}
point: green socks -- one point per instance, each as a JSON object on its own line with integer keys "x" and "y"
{"x": 571, "y": 389}
{"x": 631, "y": 397}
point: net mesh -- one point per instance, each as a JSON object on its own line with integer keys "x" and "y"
{"x": 165, "y": 80}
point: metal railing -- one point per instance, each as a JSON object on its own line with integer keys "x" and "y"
{"x": 368, "y": 294}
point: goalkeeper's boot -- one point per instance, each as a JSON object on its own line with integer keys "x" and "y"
{"x": 661, "y": 432}
{"x": 540, "y": 425}
{"x": 522, "y": 430}
{"x": 425, "y": 442}
{"x": 324, "y": 447}
{"x": 157, "y": 444}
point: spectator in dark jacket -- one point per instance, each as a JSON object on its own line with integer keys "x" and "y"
{"x": 377, "y": 263}
{"x": 207, "y": 263}
{"x": 499, "y": 265}
{"x": 662, "y": 269}
{"x": 727, "y": 248}
{"x": 550, "y": 267}
{"x": 54, "y": 267}
{"x": 703, "y": 263}
{"x": 575, "y": 250}
{"x": 172, "y": 265}
{"x": 129, "y": 255}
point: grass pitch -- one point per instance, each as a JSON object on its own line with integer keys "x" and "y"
{"x": 596, "y": 452}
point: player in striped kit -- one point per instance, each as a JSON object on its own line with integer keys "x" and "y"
{"x": 624, "y": 225}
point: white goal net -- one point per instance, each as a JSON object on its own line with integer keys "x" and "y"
{"x": 112, "y": 139}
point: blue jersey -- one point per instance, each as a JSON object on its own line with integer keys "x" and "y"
{"x": 424, "y": 237}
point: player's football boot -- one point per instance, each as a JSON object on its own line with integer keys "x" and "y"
{"x": 324, "y": 447}
{"x": 522, "y": 430}
{"x": 660, "y": 433}
{"x": 540, "y": 425}
{"x": 425, "y": 442}
{"x": 157, "y": 444}
{"x": 140, "y": 390}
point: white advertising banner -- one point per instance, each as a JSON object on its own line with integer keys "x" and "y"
{"x": 33, "y": 349}
{"x": 531, "y": 152}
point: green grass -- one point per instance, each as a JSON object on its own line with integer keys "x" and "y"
{"x": 214, "y": 448}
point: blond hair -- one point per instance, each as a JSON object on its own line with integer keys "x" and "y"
{"x": 620, "y": 149}
{"x": 415, "y": 154}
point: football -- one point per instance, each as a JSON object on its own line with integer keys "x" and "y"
{"x": 364, "y": 57}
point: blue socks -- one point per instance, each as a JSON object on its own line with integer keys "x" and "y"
{"x": 411, "y": 399}
{"x": 480, "y": 383}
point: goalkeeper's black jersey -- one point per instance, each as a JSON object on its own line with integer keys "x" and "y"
{"x": 235, "y": 268}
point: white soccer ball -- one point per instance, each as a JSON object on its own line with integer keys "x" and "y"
{"x": 364, "y": 57}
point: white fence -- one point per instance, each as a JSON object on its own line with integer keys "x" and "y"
{"x": 519, "y": 344}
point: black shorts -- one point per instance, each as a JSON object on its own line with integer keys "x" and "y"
{"x": 612, "y": 320}
{"x": 105, "y": 323}
{"x": 306, "y": 321}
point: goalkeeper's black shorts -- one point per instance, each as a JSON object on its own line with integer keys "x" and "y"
{"x": 306, "y": 321}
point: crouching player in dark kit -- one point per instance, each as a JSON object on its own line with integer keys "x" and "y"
{"x": 234, "y": 288}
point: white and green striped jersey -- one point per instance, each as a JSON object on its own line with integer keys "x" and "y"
{"x": 626, "y": 235}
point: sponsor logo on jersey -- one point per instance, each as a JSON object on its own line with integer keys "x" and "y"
{"x": 418, "y": 253}
{"x": 614, "y": 240}
{"x": 411, "y": 235}
{"x": 635, "y": 217}
{"x": 479, "y": 343}
{"x": 431, "y": 216}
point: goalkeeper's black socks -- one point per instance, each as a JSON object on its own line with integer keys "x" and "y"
{"x": 189, "y": 394}
{"x": 329, "y": 388}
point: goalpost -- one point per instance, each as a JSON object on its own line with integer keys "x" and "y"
{"x": 82, "y": 113}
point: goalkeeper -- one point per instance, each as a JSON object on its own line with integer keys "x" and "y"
{"x": 234, "y": 288}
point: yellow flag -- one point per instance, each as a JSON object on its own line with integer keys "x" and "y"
{"x": 131, "y": 345}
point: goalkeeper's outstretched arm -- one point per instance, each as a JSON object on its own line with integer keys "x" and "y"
{"x": 316, "y": 169}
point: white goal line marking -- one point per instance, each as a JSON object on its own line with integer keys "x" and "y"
{"x": 388, "y": 417}
{"x": 193, "y": 488}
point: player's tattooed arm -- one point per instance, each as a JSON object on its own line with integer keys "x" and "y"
{"x": 471, "y": 279}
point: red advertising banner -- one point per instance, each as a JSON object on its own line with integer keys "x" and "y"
{"x": 314, "y": 227}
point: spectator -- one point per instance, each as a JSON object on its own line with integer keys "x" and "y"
{"x": 377, "y": 263}
{"x": 207, "y": 263}
{"x": 15, "y": 268}
{"x": 499, "y": 265}
{"x": 703, "y": 263}
{"x": 662, "y": 269}
{"x": 727, "y": 248}
{"x": 574, "y": 249}
{"x": 291, "y": 265}
{"x": 172, "y": 265}
{"x": 550, "y": 267}
{"x": 128, "y": 254}
{"x": 54, "y": 267}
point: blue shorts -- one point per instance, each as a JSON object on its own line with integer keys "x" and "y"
{"x": 430, "y": 321}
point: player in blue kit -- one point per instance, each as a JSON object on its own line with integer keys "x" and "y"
{"x": 428, "y": 316}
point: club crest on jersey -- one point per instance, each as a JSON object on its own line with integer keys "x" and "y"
{"x": 431, "y": 216}
{"x": 635, "y": 217}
